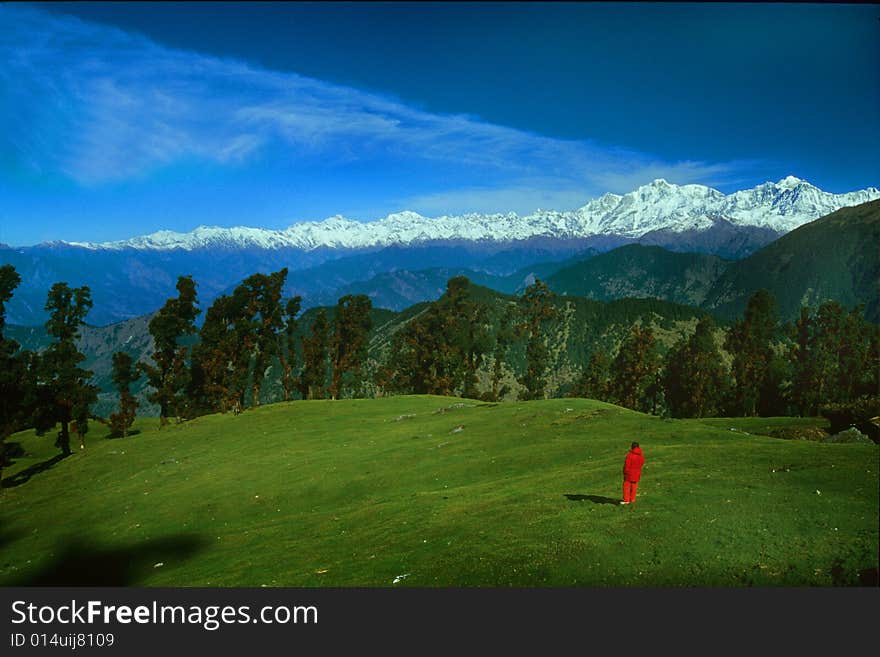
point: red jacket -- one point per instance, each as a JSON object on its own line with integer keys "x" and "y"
{"x": 632, "y": 467}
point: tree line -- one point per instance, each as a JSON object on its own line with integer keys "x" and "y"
{"x": 254, "y": 338}
{"x": 221, "y": 366}
{"x": 225, "y": 365}
{"x": 829, "y": 357}
{"x": 758, "y": 366}
{"x": 827, "y": 362}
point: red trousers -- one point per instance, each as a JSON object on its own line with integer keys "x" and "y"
{"x": 630, "y": 488}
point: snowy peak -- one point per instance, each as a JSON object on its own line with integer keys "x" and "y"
{"x": 790, "y": 182}
{"x": 662, "y": 186}
{"x": 658, "y": 205}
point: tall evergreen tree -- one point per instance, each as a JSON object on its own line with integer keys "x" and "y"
{"x": 804, "y": 394}
{"x": 439, "y": 351}
{"x": 9, "y": 280}
{"x": 594, "y": 380}
{"x": 316, "y": 355}
{"x": 124, "y": 374}
{"x": 505, "y": 336}
{"x": 750, "y": 343}
{"x": 634, "y": 369}
{"x": 478, "y": 343}
{"x": 871, "y": 382}
{"x": 694, "y": 376}
{"x": 65, "y": 392}
{"x": 421, "y": 361}
{"x": 258, "y": 327}
{"x": 537, "y": 308}
{"x": 831, "y": 358}
{"x": 287, "y": 348}
{"x": 351, "y": 330}
{"x": 829, "y": 347}
{"x": 466, "y": 338}
{"x": 854, "y": 356}
{"x": 169, "y": 377}
{"x": 12, "y": 367}
{"x": 775, "y": 394}
{"x": 216, "y": 384}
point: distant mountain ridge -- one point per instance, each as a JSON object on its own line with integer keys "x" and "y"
{"x": 132, "y": 278}
{"x": 836, "y": 257}
{"x": 659, "y": 206}
{"x": 639, "y": 271}
{"x": 604, "y": 293}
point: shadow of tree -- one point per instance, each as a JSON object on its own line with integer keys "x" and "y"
{"x": 869, "y": 577}
{"x": 595, "y": 499}
{"x": 22, "y": 477}
{"x": 7, "y": 536}
{"x": 78, "y": 563}
{"x": 9, "y": 451}
{"x": 117, "y": 436}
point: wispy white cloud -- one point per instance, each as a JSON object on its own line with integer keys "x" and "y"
{"x": 99, "y": 105}
{"x": 622, "y": 179}
{"x": 525, "y": 198}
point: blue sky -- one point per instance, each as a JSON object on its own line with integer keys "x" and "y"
{"x": 120, "y": 119}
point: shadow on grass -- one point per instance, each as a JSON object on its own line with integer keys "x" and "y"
{"x": 841, "y": 575}
{"x": 595, "y": 499}
{"x": 24, "y": 476}
{"x": 78, "y": 563}
{"x": 117, "y": 436}
{"x": 7, "y": 536}
{"x": 11, "y": 451}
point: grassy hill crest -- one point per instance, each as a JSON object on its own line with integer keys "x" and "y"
{"x": 434, "y": 491}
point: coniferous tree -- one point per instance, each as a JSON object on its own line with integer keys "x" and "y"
{"x": 261, "y": 320}
{"x": 9, "y": 280}
{"x": 831, "y": 358}
{"x": 478, "y": 345}
{"x": 870, "y": 386}
{"x": 124, "y": 374}
{"x": 537, "y": 308}
{"x": 750, "y": 343}
{"x": 13, "y": 391}
{"x": 854, "y": 356}
{"x": 694, "y": 376}
{"x": 504, "y": 338}
{"x": 169, "y": 377}
{"x": 316, "y": 354}
{"x": 216, "y": 385}
{"x": 351, "y": 329}
{"x": 421, "y": 361}
{"x": 437, "y": 342}
{"x": 593, "y": 382}
{"x": 803, "y": 365}
{"x": 65, "y": 393}
{"x": 774, "y": 395}
{"x": 634, "y": 369}
{"x": 466, "y": 338}
{"x": 242, "y": 338}
{"x": 439, "y": 351}
{"x": 287, "y": 348}
{"x": 829, "y": 346}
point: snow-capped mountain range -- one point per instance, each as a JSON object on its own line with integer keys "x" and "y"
{"x": 658, "y": 206}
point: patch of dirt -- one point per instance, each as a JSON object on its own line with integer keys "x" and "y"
{"x": 452, "y": 407}
{"x": 592, "y": 415}
{"x": 799, "y": 433}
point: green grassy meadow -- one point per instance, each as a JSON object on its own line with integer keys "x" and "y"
{"x": 432, "y": 491}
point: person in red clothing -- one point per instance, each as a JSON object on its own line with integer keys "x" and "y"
{"x": 632, "y": 472}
